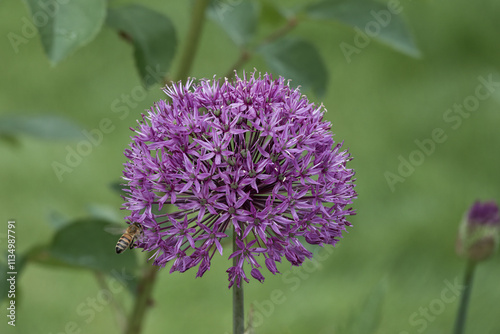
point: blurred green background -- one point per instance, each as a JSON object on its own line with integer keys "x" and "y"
{"x": 401, "y": 247}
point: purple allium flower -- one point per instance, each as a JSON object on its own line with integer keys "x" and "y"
{"x": 251, "y": 155}
{"x": 484, "y": 214}
{"x": 479, "y": 232}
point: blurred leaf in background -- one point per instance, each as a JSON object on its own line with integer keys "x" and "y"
{"x": 370, "y": 19}
{"x": 39, "y": 126}
{"x": 153, "y": 36}
{"x": 82, "y": 244}
{"x": 298, "y": 60}
{"x": 85, "y": 243}
{"x": 66, "y": 26}
{"x": 239, "y": 21}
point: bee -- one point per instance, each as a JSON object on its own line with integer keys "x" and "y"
{"x": 128, "y": 238}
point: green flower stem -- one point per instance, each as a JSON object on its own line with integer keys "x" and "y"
{"x": 238, "y": 314}
{"x": 464, "y": 300}
{"x": 142, "y": 300}
{"x": 191, "y": 43}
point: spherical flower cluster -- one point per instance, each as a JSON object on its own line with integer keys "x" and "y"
{"x": 250, "y": 157}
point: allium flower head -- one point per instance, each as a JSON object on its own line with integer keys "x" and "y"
{"x": 251, "y": 156}
{"x": 479, "y": 232}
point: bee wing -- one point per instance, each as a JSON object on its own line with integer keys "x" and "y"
{"x": 115, "y": 230}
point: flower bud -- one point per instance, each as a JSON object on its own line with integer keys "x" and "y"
{"x": 479, "y": 232}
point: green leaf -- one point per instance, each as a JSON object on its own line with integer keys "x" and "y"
{"x": 239, "y": 21}
{"x": 105, "y": 212}
{"x": 298, "y": 60}
{"x": 271, "y": 14}
{"x": 374, "y": 20}
{"x": 10, "y": 140}
{"x": 153, "y": 36}
{"x": 86, "y": 244}
{"x": 118, "y": 188}
{"x": 366, "y": 317}
{"x": 65, "y": 26}
{"x": 43, "y": 127}
{"x": 57, "y": 219}
{"x": 41, "y": 254}
{"x": 81, "y": 244}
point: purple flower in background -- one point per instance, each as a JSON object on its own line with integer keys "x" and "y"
{"x": 484, "y": 214}
{"x": 252, "y": 156}
{"x": 478, "y": 235}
